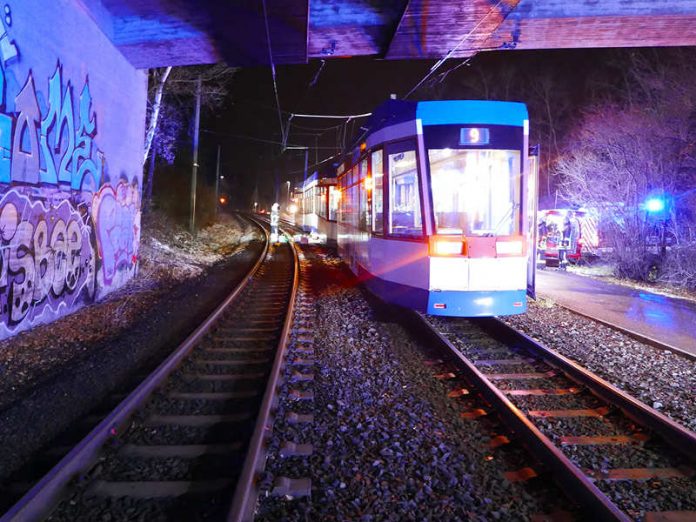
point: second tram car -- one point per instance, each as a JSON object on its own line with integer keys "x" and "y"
{"x": 318, "y": 207}
{"x": 437, "y": 207}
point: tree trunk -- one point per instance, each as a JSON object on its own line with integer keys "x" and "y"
{"x": 194, "y": 170}
{"x": 147, "y": 191}
{"x": 157, "y": 103}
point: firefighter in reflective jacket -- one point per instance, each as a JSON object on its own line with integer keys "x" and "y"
{"x": 275, "y": 218}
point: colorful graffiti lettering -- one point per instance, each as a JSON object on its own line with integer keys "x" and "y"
{"x": 58, "y": 153}
{"x": 117, "y": 215}
{"x": 47, "y": 260}
{"x": 56, "y": 210}
{"x": 67, "y": 150}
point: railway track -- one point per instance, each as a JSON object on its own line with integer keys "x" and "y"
{"x": 617, "y": 458}
{"x": 650, "y": 341}
{"x": 175, "y": 448}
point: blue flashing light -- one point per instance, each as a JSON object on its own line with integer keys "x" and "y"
{"x": 655, "y": 205}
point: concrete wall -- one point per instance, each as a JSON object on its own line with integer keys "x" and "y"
{"x": 72, "y": 113}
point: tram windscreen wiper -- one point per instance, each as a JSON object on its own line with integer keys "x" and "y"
{"x": 507, "y": 215}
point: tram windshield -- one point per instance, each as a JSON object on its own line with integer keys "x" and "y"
{"x": 476, "y": 192}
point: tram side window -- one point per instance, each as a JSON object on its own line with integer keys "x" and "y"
{"x": 364, "y": 203}
{"x": 354, "y": 197}
{"x": 377, "y": 192}
{"x": 320, "y": 201}
{"x": 334, "y": 198}
{"x": 342, "y": 200}
{"x": 404, "y": 199}
{"x": 306, "y": 202}
{"x": 317, "y": 200}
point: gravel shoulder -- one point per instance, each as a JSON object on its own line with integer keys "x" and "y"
{"x": 661, "y": 379}
{"x": 55, "y": 374}
{"x": 605, "y": 272}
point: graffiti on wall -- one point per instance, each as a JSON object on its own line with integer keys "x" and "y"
{"x": 68, "y": 233}
{"x": 47, "y": 261}
{"x": 116, "y": 211}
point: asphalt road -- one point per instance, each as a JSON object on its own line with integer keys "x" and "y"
{"x": 665, "y": 319}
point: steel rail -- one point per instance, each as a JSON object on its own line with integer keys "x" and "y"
{"x": 681, "y": 438}
{"x": 571, "y": 479}
{"x": 247, "y": 490}
{"x": 633, "y": 334}
{"x": 42, "y": 498}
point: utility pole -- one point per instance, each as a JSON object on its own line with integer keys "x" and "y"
{"x": 194, "y": 172}
{"x": 217, "y": 182}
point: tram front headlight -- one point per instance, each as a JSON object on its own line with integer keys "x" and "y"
{"x": 509, "y": 248}
{"x": 446, "y": 247}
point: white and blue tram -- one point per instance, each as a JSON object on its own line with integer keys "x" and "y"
{"x": 318, "y": 207}
{"x": 437, "y": 206}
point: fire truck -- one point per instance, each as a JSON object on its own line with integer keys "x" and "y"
{"x": 566, "y": 236}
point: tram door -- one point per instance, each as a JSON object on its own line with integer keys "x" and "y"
{"x": 532, "y": 197}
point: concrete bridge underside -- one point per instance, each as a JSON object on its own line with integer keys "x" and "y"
{"x": 154, "y": 33}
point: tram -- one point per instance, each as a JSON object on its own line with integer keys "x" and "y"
{"x": 318, "y": 207}
{"x": 437, "y": 207}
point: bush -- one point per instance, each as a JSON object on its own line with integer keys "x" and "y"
{"x": 639, "y": 266}
{"x": 678, "y": 268}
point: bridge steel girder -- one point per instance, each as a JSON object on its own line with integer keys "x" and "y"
{"x": 155, "y": 33}
{"x": 432, "y": 29}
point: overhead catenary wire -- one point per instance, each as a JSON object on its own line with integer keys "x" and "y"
{"x": 315, "y": 164}
{"x": 262, "y": 140}
{"x": 453, "y": 50}
{"x": 332, "y": 116}
{"x": 314, "y": 81}
{"x": 316, "y": 129}
{"x": 273, "y": 70}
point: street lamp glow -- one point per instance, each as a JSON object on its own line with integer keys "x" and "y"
{"x": 654, "y": 205}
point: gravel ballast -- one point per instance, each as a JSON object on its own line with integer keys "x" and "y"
{"x": 599, "y": 460}
{"x": 387, "y": 443}
{"x": 661, "y": 379}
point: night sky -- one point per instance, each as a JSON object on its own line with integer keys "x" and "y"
{"x": 348, "y": 86}
{"x": 353, "y": 86}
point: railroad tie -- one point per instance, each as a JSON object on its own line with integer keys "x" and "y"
{"x": 473, "y": 414}
{"x": 299, "y": 418}
{"x": 502, "y": 362}
{"x": 591, "y": 412}
{"x": 299, "y": 395}
{"x": 539, "y": 391}
{"x": 498, "y": 441}
{"x": 292, "y": 488}
{"x": 296, "y": 376}
{"x": 459, "y": 392}
{"x": 195, "y": 420}
{"x": 185, "y": 451}
{"x": 520, "y": 475}
{"x": 293, "y": 449}
{"x": 305, "y": 351}
{"x": 302, "y": 362}
{"x": 213, "y": 396}
{"x": 589, "y": 440}
{"x": 223, "y": 376}
{"x": 670, "y": 516}
{"x": 519, "y": 376}
{"x": 156, "y": 489}
{"x": 639, "y": 473}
